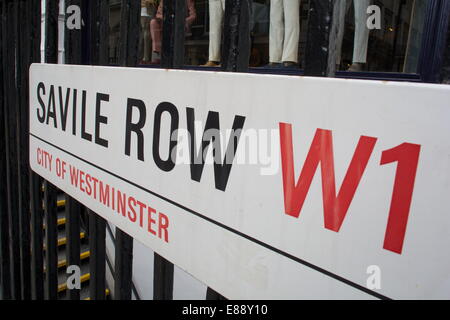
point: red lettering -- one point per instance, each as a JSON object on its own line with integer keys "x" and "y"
{"x": 163, "y": 224}
{"x": 132, "y": 212}
{"x": 142, "y": 206}
{"x": 150, "y": 220}
{"x": 74, "y": 176}
{"x": 407, "y": 156}
{"x": 88, "y": 185}
{"x": 113, "y": 194}
{"x": 81, "y": 180}
{"x": 321, "y": 151}
{"x": 104, "y": 193}
{"x": 95, "y": 180}
{"x": 121, "y": 203}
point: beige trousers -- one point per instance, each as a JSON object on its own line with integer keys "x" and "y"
{"x": 284, "y": 30}
{"x": 361, "y": 41}
{"x": 216, "y": 14}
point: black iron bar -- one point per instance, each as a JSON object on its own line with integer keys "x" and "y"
{"x": 11, "y": 108}
{"x": 129, "y": 38}
{"x": 23, "y": 64}
{"x": 320, "y": 55}
{"x": 35, "y": 182}
{"x": 4, "y": 218}
{"x": 50, "y": 192}
{"x": 51, "y": 243}
{"x": 236, "y": 36}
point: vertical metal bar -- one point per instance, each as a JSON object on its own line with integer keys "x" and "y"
{"x": 428, "y": 39}
{"x": 11, "y": 28}
{"x": 99, "y": 32}
{"x": 51, "y": 31}
{"x": 445, "y": 71}
{"x": 23, "y": 65}
{"x": 129, "y": 37}
{"x": 4, "y": 219}
{"x": 97, "y": 237}
{"x": 123, "y": 266}
{"x": 110, "y": 266}
{"x": 99, "y": 25}
{"x": 174, "y": 15}
{"x": 73, "y": 213}
{"x": 320, "y": 55}
{"x": 35, "y": 28}
{"x": 73, "y": 38}
{"x": 437, "y": 53}
{"x": 236, "y": 35}
{"x": 36, "y": 196}
{"x": 73, "y": 54}
{"x": 51, "y": 243}
{"x": 103, "y": 32}
{"x": 129, "y": 33}
{"x": 50, "y": 193}
{"x": 162, "y": 279}
{"x": 37, "y": 257}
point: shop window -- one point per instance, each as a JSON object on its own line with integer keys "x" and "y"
{"x": 390, "y": 45}
{"x": 279, "y": 30}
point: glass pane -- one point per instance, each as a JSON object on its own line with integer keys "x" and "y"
{"x": 380, "y": 35}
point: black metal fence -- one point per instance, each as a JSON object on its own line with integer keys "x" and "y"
{"x": 29, "y": 205}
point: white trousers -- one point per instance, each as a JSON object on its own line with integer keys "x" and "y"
{"x": 216, "y": 13}
{"x": 284, "y": 30}
{"x": 361, "y": 41}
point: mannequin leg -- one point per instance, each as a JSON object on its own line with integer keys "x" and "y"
{"x": 156, "y": 30}
{"x": 291, "y": 30}
{"x": 340, "y": 35}
{"x": 361, "y": 31}
{"x": 216, "y": 13}
{"x": 145, "y": 24}
{"x": 276, "y": 33}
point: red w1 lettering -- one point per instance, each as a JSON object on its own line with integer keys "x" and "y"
{"x": 336, "y": 206}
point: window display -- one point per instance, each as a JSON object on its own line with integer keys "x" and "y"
{"x": 279, "y": 28}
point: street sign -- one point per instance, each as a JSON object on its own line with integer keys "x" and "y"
{"x": 260, "y": 186}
